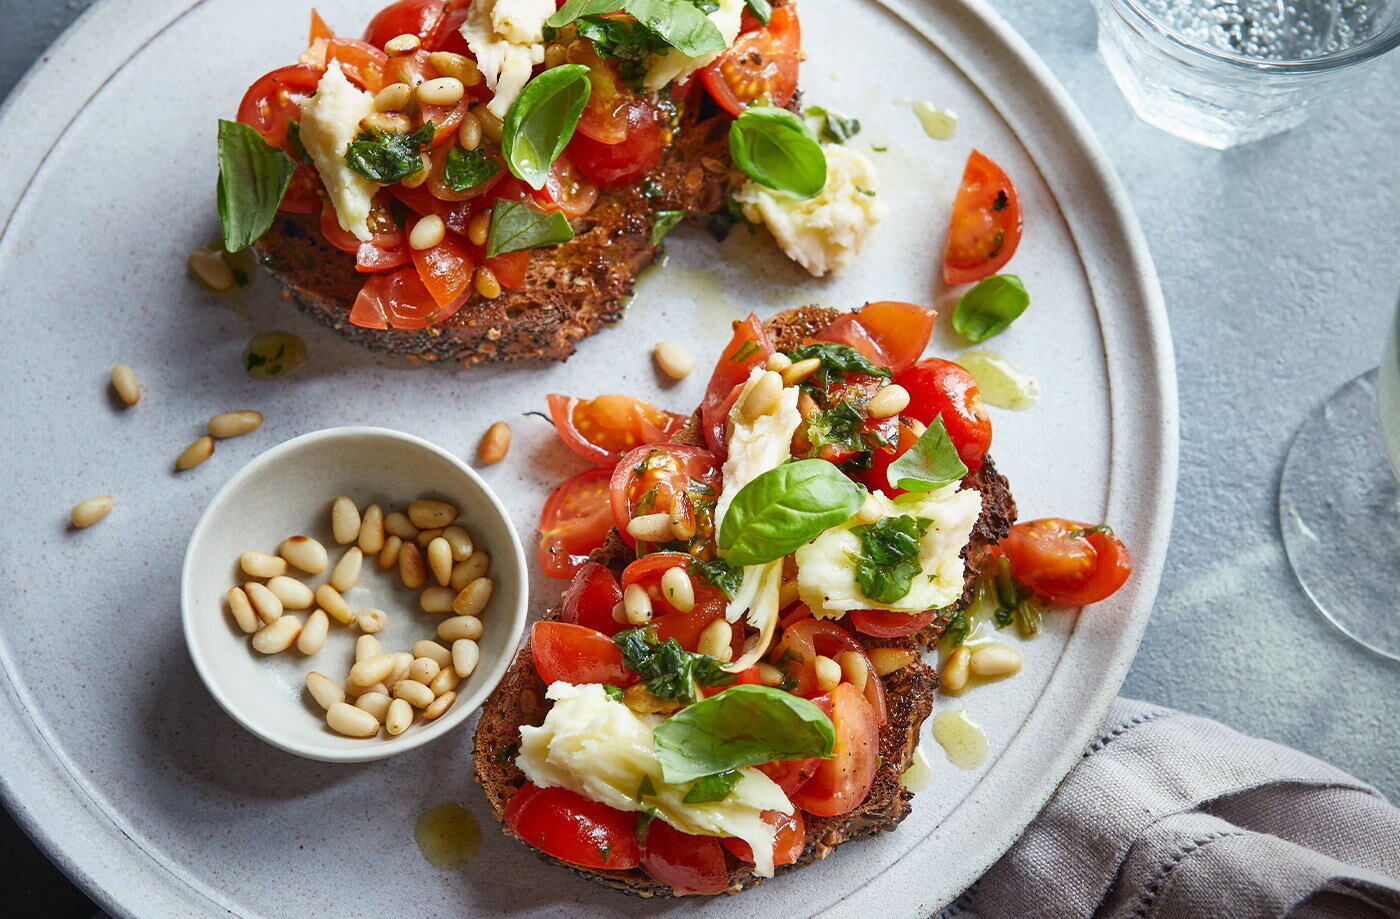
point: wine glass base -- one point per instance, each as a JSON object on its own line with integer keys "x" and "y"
{"x": 1339, "y": 509}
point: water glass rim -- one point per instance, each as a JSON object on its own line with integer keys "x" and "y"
{"x": 1376, "y": 45}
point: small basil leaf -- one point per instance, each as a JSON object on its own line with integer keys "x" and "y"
{"x": 253, "y": 177}
{"x": 294, "y": 138}
{"x": 613, "y": 692}
{"x": 990, "y": 307}
{"x": 388, "y": 158}
{"x": 464, "y": 169}
{"x": 777, "y": 149}
{"x": 831, "y": 126}
{"x": 573, "y": 9}
{"x": 889, "y": 556}
{"x": 762, "y": 10}
{"x": 710, "y": 788}
{"x": 516, "y": 225}
{"x": 785, "y": 508}
{"x": 662, "y": 223}
{"x": 930, "y": 463}
{"x": 542, "y": 119}
{"x": 741, "y": 726}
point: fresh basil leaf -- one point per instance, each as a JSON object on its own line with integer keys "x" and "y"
{"x": 294, "y": 138}
{"x": 613, "y": 692}
{"x": 574, "y": 9}
{"x": 784, "y": 508}
{"x": 662, "y": 222}
{"x": 837, "y": 361}
{"x": 777, "y": 149}
{"x": 668, "y": 670}
{"x": 253, "y": 177}
{"x": 742, "y": 726}
{"x": 930, "y": 463}
{"x": 762, "y": 10}
{"x": 388, "y": 158}
{"x": 842, "y": 425}
{"x": 719, "y": 573}
{"x": 710, "y": 788}
{"x": 676, "y": 23}
{"x": 516, "y": 225}
{"x": 464, "y": 169}
{"x": 889, "y": 556}
{"x": 830, "y": 126}
{"x": 990, "y": 307}
{"x": 542, "y": 119}
{"x": 624, "y": 40}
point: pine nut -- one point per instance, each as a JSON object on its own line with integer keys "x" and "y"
{"x": 427, "y": 514}
{"x": 994, "y": 660}
{"x": 277, "y": 636}
{"x": 440, "y": 560}
{"x": 393, "y": 98}
{"x": 262, "y": 565}
{"x": 682, "y": 517}
{"x": 717, "y": 640}
{"x": 916, "y": 426}
{"x": 242, "y": 610}
{"x": 439, "y": 705}
{"x": 423, "y": 670}
{"x": 466, "y": 654}
{"x": 124, "y": 382}
{"x": 345, "y": 520}
{"x": 371, "y": 620}
{"x": 636, "y": 604}
{"x": 436, "y": 599}
{"x": 678, "y": 589}
{"x": 433, "y": 652}
{"x": 195, "y": 453}
{"x": 490, "y": 123}
{"x": 210, "y": 270}
{"x": 891, "y": 400}
{"x": 293, "y": 593}
{"x": 801, "y": 370}
{"x": 346, "y": 573}
{"x": 495, "y": 443}
{"x": 371, "y": 538}
{"x": 367, "y": 646}
{"x": 460, "y": 542}
{"x": 427, "y": 232}
{"x": 313, "y": 634}
{"x": 469, "y": 138}
{"x": 441, "y": 91}
{"x": 398, "y": 524}
{"x": 372, "y": 670}
{"x": 386, "y": 123}
{"x": 324, "y": 690}
{"x": 475, "y": 566}
{"x": 355, "y": 690}
{"x": 853, "y": 668}
{"x": 828, "y": 673}
{"x": 769, "y": 675}
{"x": 446, "y": 680}
{"x": 473, "y": 598}
{"x": 426, "y": 536}
{"x": 412, "y": 571}
{"x": 955, "y": 670}
{"x": 399, "y": 717}
{"x": 87, "y": 512}
{"x": 455, "y": 65}
{"x": 762, "y": 397}
{"x": 402, "y": 661}
{"x": 351, "y": 721}
{"x": 777, "y": 362}
{"x": 376, "y": 703}
{"x": 329, "y": 599}
{"x": 406, "y": 43}
{"x": 807, "y": 406}
{"x": 305, "y": 553}
{"x": 415, "y": 694}
{"x": 459, "y": 627}
{"x": 555, "y": 54}
{"x": 268, "y": 607}
{"x": 674, "y": 361}
{"x": 888, "y": 660}
{"x": 479, "y": 228}
{"x": 650, "y": 528}
{"x": 486, "y": 283}
{"x": 389, "y": 555}
{"x": 234, "y": 424}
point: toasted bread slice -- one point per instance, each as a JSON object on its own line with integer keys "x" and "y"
{"x": 909, "y": 692}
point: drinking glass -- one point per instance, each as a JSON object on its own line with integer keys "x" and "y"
{"x": 1339, "y": 505}
{"x": 1226, "y": 72}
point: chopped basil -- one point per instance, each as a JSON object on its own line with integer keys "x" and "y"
{"x": 777, "y": 149}
{"x": 464, "y": 169}
{"x": 542, "y": 119}
{"x": 831, "y": 126}
{"x": 668, "y": 670}
{"x": 742, "y": 726}
{"x": 387, "y": 158}
{"x": 715, "y": 787}
{"x": 273, "y": 354}
{"x": 762, "y": 10}
{"x": 889, "y": 556}
{"x": 253, "y": 177}
{"x": 990, "y": 307}
{"x": 516, "y": 225}
{"x": 719, "y": 573}
{"x": 645, "y": 789}
{"x": 931, "y": 463}
{"x": 662, "y": 222}
{"x": 613, "y": 692}
{"x": 837, "y": 361}
{"x": 783, "y": 508}
{"x": 842, "y": 425}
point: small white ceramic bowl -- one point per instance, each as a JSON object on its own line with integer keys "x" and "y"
{"x": 287, "y": 491}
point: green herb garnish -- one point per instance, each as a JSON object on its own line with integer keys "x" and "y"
{"x": 516, "y": 225}
{"x": 931, "y": 463}
{"x": 778, "y": 150}
{"x": 990, "y": 307}
{"x": 837, "y": 361}
{"x": 465, "y": 169}
{"x": 542, "y": 119}
{"x": 889, "y": 556}
{"x": 742, "y": 726}
{"x": 387, "y": 158}
{"x": 662, "y": 222}
{"x": 715, "y": 787}
{"x": 668, "y": 670}
{"x": 253, "y": 177}
{"x": 719, "y": 573}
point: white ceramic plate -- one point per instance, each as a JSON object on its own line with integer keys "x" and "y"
{"x": 115, "y": 757}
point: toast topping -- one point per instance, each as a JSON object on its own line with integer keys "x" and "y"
{"x": 507, "y": 38}
{"x": 330, "y": 120}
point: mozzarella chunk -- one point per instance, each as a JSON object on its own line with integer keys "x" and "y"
{"x": 599, "y": 748}
{"x": 675, "y": 65}
{"x": 330, "y": 120}
{"x": 507, "y": 39}
{"x": 826, "y": 573}
{"x": 823, "y": 233}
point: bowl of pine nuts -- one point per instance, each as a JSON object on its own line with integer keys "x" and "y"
{"x": 353, "y": 593}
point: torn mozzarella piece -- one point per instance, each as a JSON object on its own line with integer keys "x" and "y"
{"x": 507, "y": 39}
{"x": 330, "y": 120}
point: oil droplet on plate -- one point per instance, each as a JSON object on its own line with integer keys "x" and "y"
{"x": 938, "y": 123}
{"x": 1000, "y": 383}
{"x": 918, "y": 776}
{"x": 447, "y": 835}
{"x": 962, "y": 739}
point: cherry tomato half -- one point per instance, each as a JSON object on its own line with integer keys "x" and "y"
{"x": 939, "y": 388}
{"x": 571, "y": 827}
{"x": 574, "y": 521}
{"x": 985, "y": 228}
{"x": 688, "y": 864}
{"x": 890, "y": 624}
{"x": 603, "y": 428}
{"x": 576, "y": 654}
{"x": 395, "y": 299}
{"x": 789, "y": 838}
{"x": 446, "y": 270}
{"x": 590, "y": 599}
{"x": 648, "y": 479}
{"x": 405, "y": 17}
{"x": 684, "y": 626}
{"x": 613, "y": 164}
{"x": 1067, "y": 563}
{"x": 842, "y": 782}
{"x": 749, "y": 347}
{"x": 805, "y": 639}
{"x": 276, "y": 97}
{"x": 763, "y": 61}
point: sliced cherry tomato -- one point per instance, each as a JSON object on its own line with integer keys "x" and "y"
{"x": 684, "y": 626}
{"x": 884, "y": 623}
{"x": 748, "y": 348}
{"x": 303, "y": 192}
{"x": 394, "y": 299}
{"x": 648, "y": 479}
{"x": 276, "y": 97}
{"x": 939, "y": 388}
{"x": 364, "y": 63}
{"x": 573, "y": 828}
{"x": 845, "y": 330}
{"x": 442, "y": 192}
{"x": 446, "y": 270}
{"x": 1067, "y": 563}
{"x": 447, "y": 35}
{"x": 405, "y": 17}
{"x": 901, "y": 330}
{"x": 613, "y": 164}
{"x": 986, "y": 224}
{"x": 590, "y": 599}
{"x": 565, "y": 189}
{"x": 603, "y": 428}
{"x": 510, "y": 269}
{"x": 763, "y": 61}
{"x": 789, "y": 838}
{"x": 388, "y": 248}
{"x": 804, "y": 640}
{"x": 415, "y": 68}
{"x": 318, "y": 30}
{"x": 688, "y": 864}
{"x": 841, "y": 783}
{"x": 575, "y": 521}
{"x": 577, "y": 654}
{"x": 876, "y": 478}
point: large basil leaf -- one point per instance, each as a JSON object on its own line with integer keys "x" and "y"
{"x": 542, "y": 119}
{"x": 785, "y": 508}
{"x": 777, "y": 149}
{"x": 741, "y": 726}
{"x": 253, "y": 177}
{"x": 990, "y": 307}
{"x": 930, "y": 463}
{"x": 516, "y": 225}
{"x": 677, "y": 23}
{"x": 386, "y": 157}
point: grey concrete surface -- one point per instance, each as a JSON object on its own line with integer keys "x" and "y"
{"x": 1276, "y": 261}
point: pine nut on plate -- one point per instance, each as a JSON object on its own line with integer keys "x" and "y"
{"x": 87, "y": 512}
{"x": 125, "y": 383}
{"x": 234, "y": 424}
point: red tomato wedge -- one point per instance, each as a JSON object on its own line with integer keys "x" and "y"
{"x": 574, "y": 521}
{"x": 615, "y": 163}
{"x": 571, "y": 827}
{"x": 763, "y": 61}
{"x": 565, "y": 189}
{"x": 576, "y": 654}
{"x": 939, "y": 388}
{"x": 302, "y": 196}
{"x": 657, "y": 473}
{"x": 901, "y": 330}
{"x": 845, "y": 330}
{"x": 604, "y": 117}
{"x": 384, "y": 251}
{"x": 406, "y": 17}
{"x": 394, "y": 300}
{"x": 791, "y": 774}
{"x": 789, "y": 838}
{"x": 985, "y": 228}
{"x": 684, "y": 626}
{"x": 805, "y": 639}
{"x": 1067, "y": 563}
{"x": 841, "y": 783}
{"x": 363, "y": 62}
{"x": 750, "y": 347}
{"x": 603, "y": 428}
{"x": 276, "y": 97}
{"x": 590, "y": 599}
{"x": 888, "y": 624}
{"x": 318, "y": 29}
{"x": 688, "y": 864}
{"x": 446, "y": 270}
